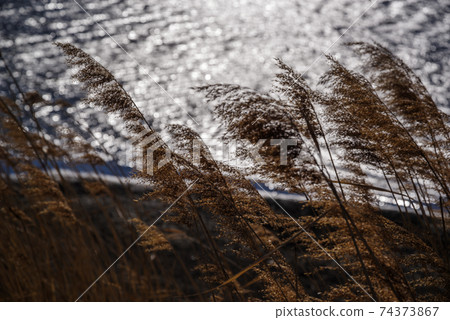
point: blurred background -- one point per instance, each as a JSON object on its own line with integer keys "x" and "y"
{"x": 182, "y": 44}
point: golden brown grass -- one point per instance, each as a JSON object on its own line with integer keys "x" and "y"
{"x": 221, "y": 241}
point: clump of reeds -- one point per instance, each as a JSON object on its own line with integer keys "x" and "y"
{"x": 220, "y": 240}
{"x": 393, "y": 128}
{"x": 61, "y": 232}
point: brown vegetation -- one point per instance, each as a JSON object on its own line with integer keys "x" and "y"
{"x": 220, "y": 240}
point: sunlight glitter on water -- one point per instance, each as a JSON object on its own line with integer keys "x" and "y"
{"x": 183, "y": 45}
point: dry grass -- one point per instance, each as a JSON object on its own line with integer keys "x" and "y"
{"x": 221, "y": 241}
